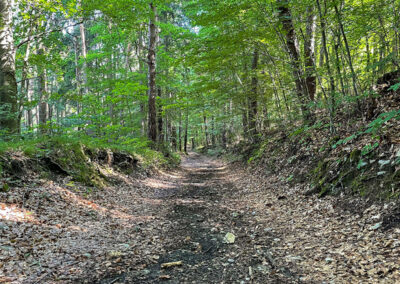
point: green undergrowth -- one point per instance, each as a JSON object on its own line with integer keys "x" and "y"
{"x": 361, "y": 172}
{"x": 365, "y": 163}
{"x": 81, "y": 157}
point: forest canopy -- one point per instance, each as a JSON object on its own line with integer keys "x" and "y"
{"x": 200, "y": 72}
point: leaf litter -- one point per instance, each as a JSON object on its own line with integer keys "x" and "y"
{"x": 204, "y": 223}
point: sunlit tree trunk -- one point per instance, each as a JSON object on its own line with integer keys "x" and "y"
{"x": 8, "y": 85}
{"x": 25, "y": 85}
{"x": 206, "y": 130}
{"x": 82, "y": 32}
{"x": 309, "y": 46}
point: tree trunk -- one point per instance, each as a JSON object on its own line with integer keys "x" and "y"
{"x": 174, "y": 139}
{"x": 325, "y": 49}
{"x": 24, "y": 86}
{"x": 253, "y": 97}
{"x": 185, "y": 147}
{"x": 43, "y": 107}
{"x": 206, "y": 130}
{"x": 213, "y": 130}
{"x": 8, "y": 84}
{"x": 350, "y": 60}
{"x": 309, "y": 46}
{"x": 84, "y": 51}
{"x": 180, "y": 132}
{"x": 160, "y": 119}
{"x": 291, "y": 44}
{"x": 245, "y": 121}
{"x": 152, "y": 114}
{"x": 224, "y": 126}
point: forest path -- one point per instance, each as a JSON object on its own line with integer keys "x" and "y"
{"x": 200, "y": 208}
{"x": 281, "y": 235}
{"x": 61, "y": 232}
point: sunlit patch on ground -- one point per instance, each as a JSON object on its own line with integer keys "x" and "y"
{"x": 12, "y": 212}
{"x": 159, "y": 184}
{"x": 171, "y": 175}
{"x": 189, "y": 201}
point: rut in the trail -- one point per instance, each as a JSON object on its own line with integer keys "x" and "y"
{"x": 202, "y": 210}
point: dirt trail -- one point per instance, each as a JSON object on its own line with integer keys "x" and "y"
{"x": 62, "y": 233}
{"x": 200, "y": 205}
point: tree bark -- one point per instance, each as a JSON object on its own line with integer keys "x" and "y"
{"x": 185, "y": 147}
{"x": 8, "y": 85}
{"x": 160, "y": 119}
{"x": 213, "y": 130}
{"x": 291, "y": 44}
{"x": 152, "y": 114}
{"x": 325, "y": 49}
{"x": 84, "y": 50}
{"x": 253, "y": 97}
{"x": 309, "y": 46}
{"x": 43, "y": 107}
{"x": 350, "y": 60}
{"x": 206, "y": 130}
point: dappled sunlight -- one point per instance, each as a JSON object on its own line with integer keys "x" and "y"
{"x": 151, "y": 201}
{"x": 73, "y": 197}
{"x": 189, "y": 201}
{"x": 12, "y": 212}
{"x": 159, "y": 184}
{"x": 174, "y": 175}
{"x": 118, "y": 213}
{"x": 197, "y": 184}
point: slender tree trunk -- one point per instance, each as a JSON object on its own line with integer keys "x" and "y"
{"x": 213, "y": 130}
{"x": 141, "y": 59}
{"x": 350, "y": 60}
{"x": 24, "y": 85}
{"x": 180, "y": 132}
{"x": 206, "y": 130}
{"x": 309, "y": 46}
{"x": 77, "y": 71}
{"x": 152, "y": 115}
{"x": 326, "y": 53}
{"x": 82, "y": 32}
{"x": 245, "y": 121}
{"x": 224, "y": 126}
{"x": 186, "y": 130}
{"x": 338, "y": 65}
{"x": 291, "y": 44}
{"x": 253, "y": 97}
{"x": 160, "y": 119}
{"x": 8, "y": 85}
{"x": 43, "y": 96}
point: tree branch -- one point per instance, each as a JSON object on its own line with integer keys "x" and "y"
{"x": 28, "y": 39}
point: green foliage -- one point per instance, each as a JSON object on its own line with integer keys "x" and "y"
{"x": 378, "y": 123}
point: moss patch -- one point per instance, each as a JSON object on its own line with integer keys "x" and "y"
{"x": 356, "y": 174}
